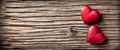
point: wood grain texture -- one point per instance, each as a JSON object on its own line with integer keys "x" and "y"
{"x": 36, "y": 24}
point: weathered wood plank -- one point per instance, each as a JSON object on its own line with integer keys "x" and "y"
{"x": 29, "y": 24}
{"x": 36, "y": 9}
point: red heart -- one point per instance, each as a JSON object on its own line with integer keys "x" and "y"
{"x": 94, "y": 36}
{"x": 89, "y": 16}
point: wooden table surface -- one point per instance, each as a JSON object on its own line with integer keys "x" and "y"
{"x": 39, "y": 24}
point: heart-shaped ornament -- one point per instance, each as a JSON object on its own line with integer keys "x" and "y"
{"x": 94, "y": 36}
{"x": 89, "y": 16}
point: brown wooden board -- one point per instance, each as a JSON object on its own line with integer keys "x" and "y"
{"x": 46, "y": 24}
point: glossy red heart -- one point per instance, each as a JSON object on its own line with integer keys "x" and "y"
{"x": 94, "y": 36}
{"x": 89, "y": 16}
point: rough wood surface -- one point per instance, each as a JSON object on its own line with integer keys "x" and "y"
{"x": 39, "y": 24}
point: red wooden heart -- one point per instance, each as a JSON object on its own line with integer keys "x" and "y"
{"x": 94, "y": 36}
{"x": 89, "y": 16}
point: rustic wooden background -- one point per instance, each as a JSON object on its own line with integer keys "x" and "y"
{"x": 56, "y": 24}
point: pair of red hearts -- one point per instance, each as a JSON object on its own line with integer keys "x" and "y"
{"x": 90, "y": 16}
